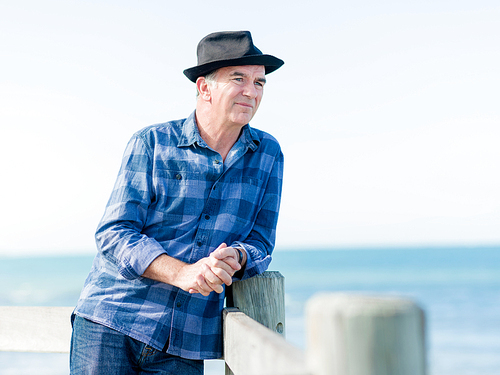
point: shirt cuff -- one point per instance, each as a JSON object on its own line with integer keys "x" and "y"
{"x": 133, "y": 266}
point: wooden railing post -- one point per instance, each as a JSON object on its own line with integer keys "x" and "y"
{"x": 359, "y": 335}
{"x": 262, "y": 298}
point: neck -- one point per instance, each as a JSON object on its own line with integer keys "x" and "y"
{"x": 219, "y": 136}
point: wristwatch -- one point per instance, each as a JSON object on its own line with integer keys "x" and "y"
{"x": 240, "y": 255}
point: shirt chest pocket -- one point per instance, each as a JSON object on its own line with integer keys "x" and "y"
{"x": 179, "y": 192}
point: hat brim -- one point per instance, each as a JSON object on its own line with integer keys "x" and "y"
{"x": 269, "y": 62}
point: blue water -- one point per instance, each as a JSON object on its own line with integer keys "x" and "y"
{"x": 458, "y": 288}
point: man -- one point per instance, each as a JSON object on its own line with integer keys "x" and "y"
{"x": 194, "y": 207}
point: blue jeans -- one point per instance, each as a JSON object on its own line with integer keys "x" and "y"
{"x": 96, "y": 350}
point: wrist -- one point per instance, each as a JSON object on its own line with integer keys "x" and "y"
{"x": 241, "y": 256}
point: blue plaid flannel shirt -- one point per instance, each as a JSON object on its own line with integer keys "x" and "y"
{"x": 174, "y": 195}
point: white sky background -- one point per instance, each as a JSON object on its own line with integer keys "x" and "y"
{"x": 388, "y": 114}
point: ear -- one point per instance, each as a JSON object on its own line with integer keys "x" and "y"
{"x": 203, "y": 88}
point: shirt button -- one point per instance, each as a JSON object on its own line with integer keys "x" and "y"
{"x": 199, "y": 243}
{"x": 207, "y": 217}
{"x": 179, "y": 304}
{"x": 178, "y": 176}
{"x": 216, "y": 161}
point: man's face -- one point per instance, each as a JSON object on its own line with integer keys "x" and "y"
{"x": 237, "y": 93}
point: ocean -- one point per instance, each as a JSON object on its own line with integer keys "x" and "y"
{"x": 458, "y": 288}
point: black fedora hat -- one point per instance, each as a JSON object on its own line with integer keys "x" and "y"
{"x": 229, "y": 48}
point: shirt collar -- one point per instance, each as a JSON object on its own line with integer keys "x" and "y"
{"x": 190, "y": 135}
{"x": 249, "y": 138}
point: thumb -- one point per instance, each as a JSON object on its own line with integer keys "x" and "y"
{"x": 217, "y": 253}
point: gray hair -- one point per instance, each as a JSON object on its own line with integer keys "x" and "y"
{"x": 210, "y": 78}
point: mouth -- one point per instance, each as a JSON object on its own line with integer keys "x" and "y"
{"x": 246, "y": 105}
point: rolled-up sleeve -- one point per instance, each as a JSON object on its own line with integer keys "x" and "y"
{"x": 260, "y": 242}
{"x": 118, "y": 235}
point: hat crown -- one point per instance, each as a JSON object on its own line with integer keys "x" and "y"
{"x": 226, "y": 45}
{"x": 229, "y": 48}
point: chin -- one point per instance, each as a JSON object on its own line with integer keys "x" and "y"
{"x": 243, "y": 119}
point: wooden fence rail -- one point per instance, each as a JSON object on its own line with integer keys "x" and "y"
{"x": 347, "y": 334}
{"x": 35, "y": 329}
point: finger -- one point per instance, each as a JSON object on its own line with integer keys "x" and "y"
{"x": 221, "y": 247}
{"x": 229, "y": 257}
{"x": 203, "y": 286}
{"x": 227, "y": 264}
{"x": 217, "y": 288}
{"x": 223, "y": 252}
{"x": 212, "y": 280}
{"x": 233, "y": 263}
{"x": 226, "y": 277}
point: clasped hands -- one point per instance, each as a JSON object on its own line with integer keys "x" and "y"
{"x": 208, "y": 274}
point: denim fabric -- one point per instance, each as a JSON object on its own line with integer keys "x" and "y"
{"x": 175, "y": 196}
{"x": 96, "y": 350}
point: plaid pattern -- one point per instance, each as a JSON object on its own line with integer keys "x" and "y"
{"x": 174, "y": 195}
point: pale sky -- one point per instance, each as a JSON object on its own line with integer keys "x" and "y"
{"x": 388, "y": 114}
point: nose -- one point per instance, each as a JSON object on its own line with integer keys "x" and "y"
{"x": 250, "y": 91}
